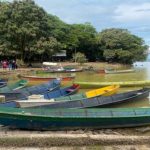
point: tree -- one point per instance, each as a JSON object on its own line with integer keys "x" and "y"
{"x": 119, "y": 45}
{"x": 22, "y": 25}
{"x": 82, "y": 38}
{"x": 79, "y": 58}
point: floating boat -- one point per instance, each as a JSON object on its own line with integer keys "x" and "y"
{"x": 90, "y": 85}
{"x": 15, "y": 86}
{"x": 113, "y": 71}
{"x": 25, "y": 92}
{"x": 3, "y": 83}
{"x": 63, "y": 70}
{"x": 50, "y": 67}
{"x": 36, "y": 78}
{"x": 106, "y": 91}
{"x": 69, "y": 119}
{"x": 99, "y": 101}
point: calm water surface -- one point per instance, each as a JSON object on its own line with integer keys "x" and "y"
{"x": 142, "y": 72}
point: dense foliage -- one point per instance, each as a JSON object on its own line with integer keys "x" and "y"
{"x": 29, "y": 33}
{"x": 79, "y": 58}
{"x": 118, "y": 45}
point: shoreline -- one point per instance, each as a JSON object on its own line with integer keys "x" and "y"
{"x": 47, "y": 139}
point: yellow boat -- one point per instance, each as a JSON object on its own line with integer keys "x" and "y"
{"x": 106, "y": 91}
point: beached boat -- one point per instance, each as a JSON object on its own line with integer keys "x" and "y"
{"x": 90, "y": 85}
{"x": 25, "y": 92}
{"x": 69, "y": 119}
{"x": 15, "y": 86}
{"x": 37, "y": 78}
{"x": 106, "y": 91}
{"x": 113, "y": 71}
{"x": 99, "y": 101}
{"x": 24, "y": 95}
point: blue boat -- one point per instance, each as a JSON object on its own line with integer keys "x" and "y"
{"x": 97, "y": 101}
{"x": 11, "y": 96}
{"x": 25, "y": 92}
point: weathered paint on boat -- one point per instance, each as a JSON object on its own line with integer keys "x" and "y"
{"x": 17, "y": 85}
{"x": 24, "y": 95}
{"x": 25, "y": 92}
{"x": 60, "y": 119}
{"x": 106, "y": 91}
{"x": 99, "y": 101}
{"x": 90, "y": 85}
{"x": 77, "y": 97}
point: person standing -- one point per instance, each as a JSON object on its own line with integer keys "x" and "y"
{"x": 10, "y": 65}
{"x": 4, "y": 64}
{"x": 13, "y": 64}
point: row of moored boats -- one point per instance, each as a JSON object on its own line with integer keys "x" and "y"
{"x": 48, "y": 106}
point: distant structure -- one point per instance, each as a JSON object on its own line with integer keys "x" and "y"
{"x": 60, "y": 56}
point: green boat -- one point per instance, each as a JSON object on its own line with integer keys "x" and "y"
{"x": 90, "y": 85}
{"x": 17, "y": 85}
{"x": 60, "y": 119}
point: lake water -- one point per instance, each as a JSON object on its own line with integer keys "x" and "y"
{"x": 142, "y": 72}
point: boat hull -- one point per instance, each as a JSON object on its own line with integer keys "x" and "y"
{"x": 90, "y": 85}
{"x": 106, "y": 91}
{"x": 35, "y": 80}
{"x": 27, "y": 121}
{"x": 119, "y": 71}
{"x": 99, "y": 101}
{"x": 25, "y": 92}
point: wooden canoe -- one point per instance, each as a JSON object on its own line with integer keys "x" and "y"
{"x": 69, "y": 119}
{"x": 113, "y": 71}
{"x": 90, "y": 85}
{"x": 9, "y": 97}
{"x": 25, "y": 92}
{"x": 37, "y": 78}
{"x": 106, "y": 91}
{"x": 15, "y": 86}
{"x": 99, "y": 101}
{"x": 61, "y": 71}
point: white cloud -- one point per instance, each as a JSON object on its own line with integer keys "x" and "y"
{"x": 131, "y": 13}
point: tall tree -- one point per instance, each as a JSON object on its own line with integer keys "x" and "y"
{"x": 82, "y": 38}
{"x": 119, "y": 45}
{"x": 22, "y": 25}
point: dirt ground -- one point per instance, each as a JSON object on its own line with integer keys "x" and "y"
{"x": 105, "y": 139}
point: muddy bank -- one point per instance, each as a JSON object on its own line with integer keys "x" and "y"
{"x": 122, "y": 147}
{"x": 109, "y": 139}
{"x": 51, "y": 140}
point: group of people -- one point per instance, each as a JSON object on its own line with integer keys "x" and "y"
{"x": 11, "y": 64}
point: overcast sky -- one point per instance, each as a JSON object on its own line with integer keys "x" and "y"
{"x": 133, "y": 15}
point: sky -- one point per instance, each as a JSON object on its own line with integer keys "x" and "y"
{"x": 133, "y": 15}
